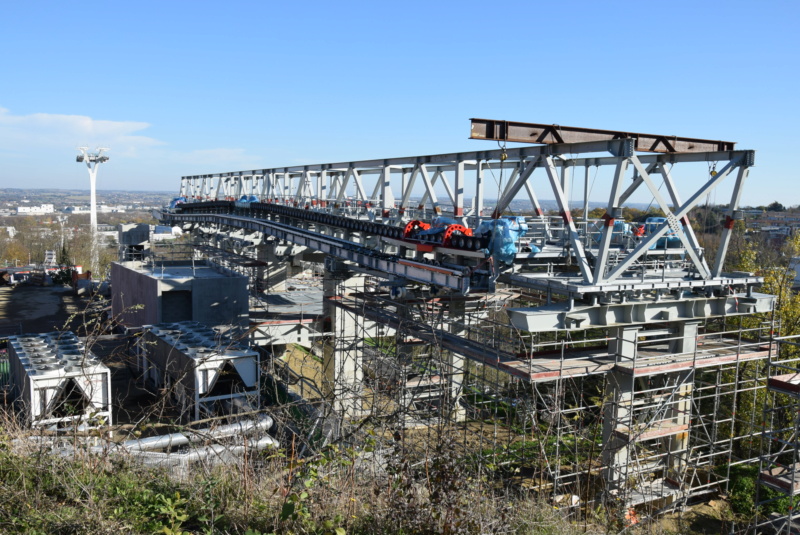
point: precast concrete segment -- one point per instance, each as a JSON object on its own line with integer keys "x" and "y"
{"x": 457, "y": 280}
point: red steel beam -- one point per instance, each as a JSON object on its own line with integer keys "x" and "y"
{"x": 552, "y": 133}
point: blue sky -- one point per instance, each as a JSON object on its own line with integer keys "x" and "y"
{"x": 178, "y": 88}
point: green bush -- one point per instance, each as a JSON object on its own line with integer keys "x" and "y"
{"x": 63, "y": 276}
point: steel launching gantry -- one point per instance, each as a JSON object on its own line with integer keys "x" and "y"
{"x": 402, "y": 190}
{"x": 406, "y": 223}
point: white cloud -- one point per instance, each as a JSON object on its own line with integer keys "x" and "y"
{"x": 40, "y": 146}
{"x": 21, "y": 134}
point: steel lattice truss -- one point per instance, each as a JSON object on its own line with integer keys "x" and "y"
{"x": 388, "y": 187}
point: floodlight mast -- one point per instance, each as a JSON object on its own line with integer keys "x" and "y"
{"x": 92, "y": 160}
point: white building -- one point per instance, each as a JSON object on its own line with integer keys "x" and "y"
{"x": 101, "y": 209}
{"x": 36, "y": 210}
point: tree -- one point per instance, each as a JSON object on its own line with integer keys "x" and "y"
{"x": 15, "y": 251}
{"x": 63, "y": 256}
{"x": 776, "y": 207}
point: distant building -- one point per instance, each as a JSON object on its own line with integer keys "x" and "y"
{"x": 76, "y": 210}
{"x": 36, "y": 210}
{"x": 162, "y": 233}
{"x": 101, "y": 209}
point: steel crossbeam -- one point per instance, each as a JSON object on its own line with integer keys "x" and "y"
{"x": 553, "y": 133}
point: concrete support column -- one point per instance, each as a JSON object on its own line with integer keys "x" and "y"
{"x": 623, "y": 342}
{"x": 342, "y": 368}
{"x": 617, "y": 414}
{"x": 680, "y": 414}
{"x": 455, "y": 365}
{"x": 280, "y": 266}
{"x": 680, "y": 409}
{"x": 404, "y": 357}
{"x": 618, "y": 411}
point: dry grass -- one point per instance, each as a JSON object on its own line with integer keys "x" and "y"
{"x": 66, "y": 490}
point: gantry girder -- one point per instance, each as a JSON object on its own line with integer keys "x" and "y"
{"x": 392, "y": 188}
{"x": 512, "y": 131}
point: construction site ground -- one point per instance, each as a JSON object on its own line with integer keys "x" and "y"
{"x": 37, "y": 309}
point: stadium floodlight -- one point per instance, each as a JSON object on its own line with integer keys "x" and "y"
{"x": 92, "y": 160}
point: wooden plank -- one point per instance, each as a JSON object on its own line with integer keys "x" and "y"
{"x": 789, "y": 382}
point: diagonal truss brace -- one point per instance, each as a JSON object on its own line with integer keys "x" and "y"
{"x": 682, "y": 211}
{"x": 690, "y": 245}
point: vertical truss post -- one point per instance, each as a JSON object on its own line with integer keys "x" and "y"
{"x": 730, "y": 220}
{"x": 387, "y": 197}
{"x": 608, "y": 230}
{"x": 287, "y": 186}
{"x": 238, "y": 188}
{"x": 322, "y": 188}
{"x": 586, "y": 195}
{"x": 458, "y": 198}
{"x": 479, "y": 191}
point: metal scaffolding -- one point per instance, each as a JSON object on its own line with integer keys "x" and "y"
{"x": 779, "y": 466}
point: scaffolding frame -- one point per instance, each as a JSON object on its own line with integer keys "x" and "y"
{"x": 548, "y": 421}
{"x": 779, "y": 463}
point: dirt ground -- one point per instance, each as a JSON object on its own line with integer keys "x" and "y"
{"x": 39, "y": 308}
{"x": 703, "y": 518}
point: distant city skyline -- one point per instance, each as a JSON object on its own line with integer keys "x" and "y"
{"x": 318, "y": 82}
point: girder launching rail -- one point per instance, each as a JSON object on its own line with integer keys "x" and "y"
{"x": 454, "y": 279}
